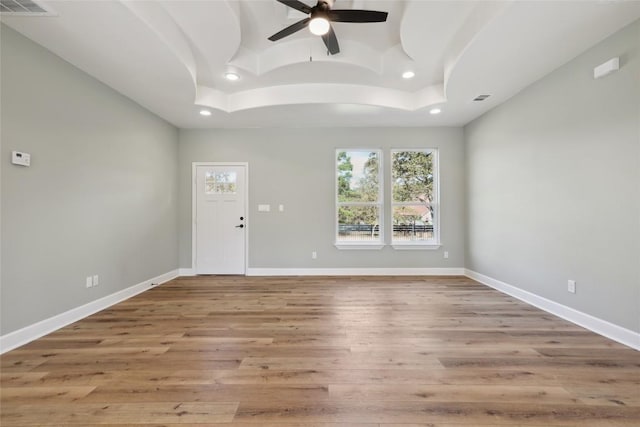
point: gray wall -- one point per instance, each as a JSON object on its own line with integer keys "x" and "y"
{"x": 295, "y": 167}
{"x": 99, "y": 198}
{"x": 553, "y": 181}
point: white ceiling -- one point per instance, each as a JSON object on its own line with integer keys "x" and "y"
{"x": 171, "y": 56}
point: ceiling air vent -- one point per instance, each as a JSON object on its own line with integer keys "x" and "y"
{"x": 481, "y": 97}
{"x": 23, "y": 8}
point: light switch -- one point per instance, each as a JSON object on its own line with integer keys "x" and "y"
{"x": 20, "y": 159}
{"x": 281, "y": 208}
{"x": 264, "y": 208}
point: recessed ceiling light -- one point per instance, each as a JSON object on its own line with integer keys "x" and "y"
{"x": 435, "y": 111}
{"x": 205, "y": 112}
{"x": 232, "y": 77}
{"x": 319, "y": 26}
{"x": 408, "y": 75}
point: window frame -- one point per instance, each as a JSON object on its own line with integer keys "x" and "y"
{"x": 355, "y": 245}
{"x": 433, "y": 243}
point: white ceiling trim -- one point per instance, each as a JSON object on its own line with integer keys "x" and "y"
{"x": 319, "y": 94}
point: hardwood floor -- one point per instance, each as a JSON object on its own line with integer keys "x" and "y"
{"x": 288, "y": 352}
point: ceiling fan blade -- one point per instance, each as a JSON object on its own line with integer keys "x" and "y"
{"x": 290, "y": 30}
{"x": 331, "y": 41}
{"x": 354, "y": 15}
{"x": 297, "y": 5}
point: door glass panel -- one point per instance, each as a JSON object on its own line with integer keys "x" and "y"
{"x": 220, "y": 183}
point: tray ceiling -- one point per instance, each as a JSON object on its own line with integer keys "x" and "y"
{"x": 172, "y": 57}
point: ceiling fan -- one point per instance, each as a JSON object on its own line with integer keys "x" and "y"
{"x": 319, "y": 19}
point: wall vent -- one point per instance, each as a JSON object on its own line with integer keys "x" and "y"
{"x": 481, "y": 97}
{"x": 23, "y": 8}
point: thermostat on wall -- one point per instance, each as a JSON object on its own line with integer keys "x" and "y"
{"x": 22, "y": 159}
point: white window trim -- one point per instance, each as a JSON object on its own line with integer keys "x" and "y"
{"x": 355, "y": 245}
{"x": 431, "y": 244}
{"x": 409, "y": 246}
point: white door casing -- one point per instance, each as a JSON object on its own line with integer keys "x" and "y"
{"x": 219, "y": 231}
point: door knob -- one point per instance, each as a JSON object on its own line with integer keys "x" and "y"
{"x": 240, "y": 226}
{"x": 241, "y": 218}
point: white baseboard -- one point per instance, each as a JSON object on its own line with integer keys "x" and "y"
{"x": 599, "y": 326}
{"x": 355, "y": 272}
{"x": 29, "y": 333}
{"x": 186, "y": 272}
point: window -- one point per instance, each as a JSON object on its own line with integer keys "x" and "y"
{"x": 220, "y": 183}
{"x": 359, "y": 199}
{"x": 414, "y": 199}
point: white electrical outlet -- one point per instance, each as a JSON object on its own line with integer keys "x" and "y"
{"x": 281, "y": 208}
{"x": 571, "y": 286}
{"x": 89, "y": 282}
{"x": 446, "y": 254}
{"x": 314, "y": 255}
{"x": 96, "y": 280}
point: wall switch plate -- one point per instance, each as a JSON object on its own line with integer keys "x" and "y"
{"x": 96, "y": 280}
{"x": 314, "y": 255}
{"x": 264, "y": 208}
{"x": 606, "y": 68}
{"x": 571, "y": 286}
{"x": 89, "y": 282}
{"x": 281, "y": 208}
{"x": 21, "y": 159}
{"x": 446, "y": 254}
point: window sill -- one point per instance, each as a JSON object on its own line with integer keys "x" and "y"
{"x": 416, "y": 246}
{"x": 359, "y": 246}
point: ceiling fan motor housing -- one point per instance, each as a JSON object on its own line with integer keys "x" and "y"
{"x": 325, "y": 4}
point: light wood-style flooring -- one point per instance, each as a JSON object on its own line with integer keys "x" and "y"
{"x": 324, "y": 351}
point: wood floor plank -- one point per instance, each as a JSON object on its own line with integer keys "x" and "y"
{"x": 438, "y": 412}
{"x": 450, "y": 393}
{"x": 135, "y": 413}
{"x": 321, "y": 352}
{"x": 367, "y": 361}
{"x": 234, "y": 424}
{"x": 45, "y": 394}
{"x": 605, "y": 394}
{"x": 23, "y": 379}
{"x": 140, "y": 393}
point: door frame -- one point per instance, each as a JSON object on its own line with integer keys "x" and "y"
{"x": 194, "y": 209}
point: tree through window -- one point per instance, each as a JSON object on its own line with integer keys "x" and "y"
{"x": 359, "y": 198}
{"x": 414, "y": 192}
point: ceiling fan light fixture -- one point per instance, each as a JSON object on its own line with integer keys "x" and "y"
{"x": 319, "y": 26}
{"x": 232, "y": 77}
{"x": 435, "y": 111}
{"x": 408, "y": 75}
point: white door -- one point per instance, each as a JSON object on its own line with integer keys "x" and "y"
{"x": 220, "y": 219}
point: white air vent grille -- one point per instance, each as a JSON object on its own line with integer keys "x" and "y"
{"x": 22, "y": 7}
